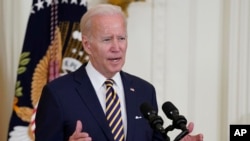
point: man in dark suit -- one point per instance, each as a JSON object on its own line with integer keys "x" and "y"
{"x": 73, "y": 107}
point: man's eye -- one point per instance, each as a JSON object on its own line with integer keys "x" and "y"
{"x": 106, "y": 40}
{"x": 122, "y": 38}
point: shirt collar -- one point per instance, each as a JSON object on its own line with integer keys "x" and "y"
{"x": 98, "y": 79}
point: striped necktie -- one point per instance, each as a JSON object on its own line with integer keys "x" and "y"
{"x": 113, "y": 111}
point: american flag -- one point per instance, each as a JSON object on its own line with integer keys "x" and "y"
{"x": 52, "y": 47}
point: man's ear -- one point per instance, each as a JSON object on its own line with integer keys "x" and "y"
{"x": 86, "y": 44}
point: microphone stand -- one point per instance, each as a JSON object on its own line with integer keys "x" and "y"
{"x": 178, "y": 137}
{"x": 164, "y": 134}
{"x": 178, "y": 123}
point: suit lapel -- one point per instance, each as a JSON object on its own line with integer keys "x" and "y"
{"x": 89, "y": 98}
{"x": 131, "y": 98}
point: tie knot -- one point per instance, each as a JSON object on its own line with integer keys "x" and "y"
{"x": 109, "y": 82}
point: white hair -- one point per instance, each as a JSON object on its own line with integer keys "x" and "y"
{"x": 101, "y": 9}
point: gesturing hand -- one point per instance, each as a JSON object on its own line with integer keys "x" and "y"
{"x": 78, "y": 135}
{"x": 198, "y": 137}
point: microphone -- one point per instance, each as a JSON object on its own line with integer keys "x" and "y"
{"x": 150, "y": 114}
{"x": 179, "y": 121}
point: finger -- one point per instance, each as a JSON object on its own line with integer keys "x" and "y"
{"x": 200, "y": 137}
{"x": 78, "y": 127}
{"x": 190, "y": 127}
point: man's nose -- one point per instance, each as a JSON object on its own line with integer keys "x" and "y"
{"x": 115, "y": 45}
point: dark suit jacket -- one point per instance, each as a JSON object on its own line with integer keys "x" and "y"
{"x": 72, "y": 97}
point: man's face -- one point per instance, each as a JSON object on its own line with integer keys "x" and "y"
{"x": 108, "y": 44}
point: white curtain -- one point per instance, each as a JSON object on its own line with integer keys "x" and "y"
{"x": 13, "y": 17}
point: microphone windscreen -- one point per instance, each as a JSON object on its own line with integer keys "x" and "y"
{"x": 146, "y": 109}
{"x": 168, "y": 108}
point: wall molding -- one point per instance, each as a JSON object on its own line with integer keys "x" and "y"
{"x": 239, "y": 62}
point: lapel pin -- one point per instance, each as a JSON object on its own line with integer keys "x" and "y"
{"x": 132, "y": 89}
{"x": 138, "y": 117}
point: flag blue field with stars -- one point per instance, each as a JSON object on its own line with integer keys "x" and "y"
{"x": 52, "y": 48}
